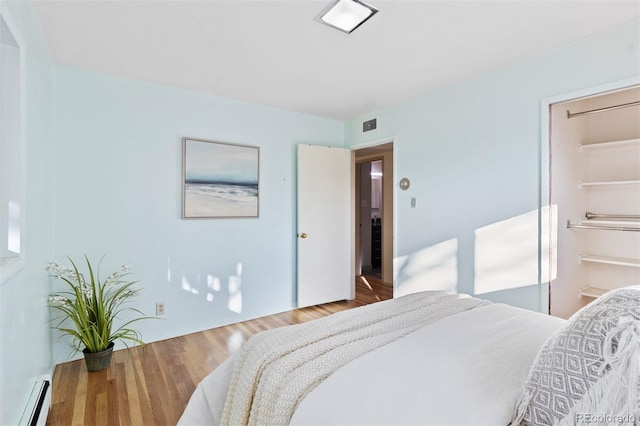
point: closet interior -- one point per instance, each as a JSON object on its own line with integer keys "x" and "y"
{"x": 595, "y": 192}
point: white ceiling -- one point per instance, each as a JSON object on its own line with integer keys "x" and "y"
{"x": 274, "y": 53}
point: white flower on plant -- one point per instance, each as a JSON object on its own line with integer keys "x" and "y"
{"x": 87, "y": 290}
{"x": 115, "y": 278}
{"x": 52, "y": 267}
{"x": 58, "y": 270}
{"x": 127, "y": 294}
{"x": 66, "y": 273}
{"x": 58, "y": 300}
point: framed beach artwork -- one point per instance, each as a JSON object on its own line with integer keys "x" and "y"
{"x": 219, "y": 179}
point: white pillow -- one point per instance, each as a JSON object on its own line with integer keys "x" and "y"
{"x": 589, "y": 370}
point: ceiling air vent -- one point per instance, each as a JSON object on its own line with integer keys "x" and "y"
{"x": 369, "y": 125}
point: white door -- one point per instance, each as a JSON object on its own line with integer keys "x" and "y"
{"x": 324, "y": 225}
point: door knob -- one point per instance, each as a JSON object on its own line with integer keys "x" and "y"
{"x": 303, "y": 235}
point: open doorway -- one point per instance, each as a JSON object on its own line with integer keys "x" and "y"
{"x": 370, "y": 224}
{"x": 374, "y": 212}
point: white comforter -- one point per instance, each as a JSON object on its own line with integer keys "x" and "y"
{"x": 467, "y": 368}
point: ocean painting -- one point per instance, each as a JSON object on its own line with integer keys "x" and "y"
{"x": 219, "y": 179}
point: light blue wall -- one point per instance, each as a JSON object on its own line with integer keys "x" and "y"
{"x": 25, "y": 346}
{"x": 471, "y": 151}
{"x": 118, "y": 192}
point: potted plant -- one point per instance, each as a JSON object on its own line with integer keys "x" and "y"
{"x": 89, "y": 309}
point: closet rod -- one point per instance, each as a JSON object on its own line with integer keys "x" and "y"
{"x": 601, "y": 227}
{"x": 610, "y": 108}
{"x": 590, "y": 215}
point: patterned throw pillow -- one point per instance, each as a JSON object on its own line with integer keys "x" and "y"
{"x": 588, "y": 371}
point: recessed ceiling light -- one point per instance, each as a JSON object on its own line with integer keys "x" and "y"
{"x": 346, "y": 15}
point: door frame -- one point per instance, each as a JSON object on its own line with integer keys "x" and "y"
{"x": 545, "y": 164}
{"x": 355, "y": 192}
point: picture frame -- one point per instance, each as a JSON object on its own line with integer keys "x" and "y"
{"x": 219, "y": 179}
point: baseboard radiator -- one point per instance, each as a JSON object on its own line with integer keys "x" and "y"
{"x": 35, "y": 413}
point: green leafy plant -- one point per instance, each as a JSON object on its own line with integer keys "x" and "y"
{"x": 89, "y": 308}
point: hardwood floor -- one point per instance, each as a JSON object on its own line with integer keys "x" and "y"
{"x": 152, "y": 385}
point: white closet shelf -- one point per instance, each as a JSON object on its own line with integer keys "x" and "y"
{"x": 593, "y": 292}
{"x": 628, "y": 143}
{"x": 619, "y": 183}
{"x": 610, "y": 260}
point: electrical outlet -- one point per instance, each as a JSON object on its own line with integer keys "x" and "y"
{"x": 160, "y": 308}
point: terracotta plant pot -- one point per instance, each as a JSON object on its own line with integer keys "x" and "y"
{"x": 97, "y": 361}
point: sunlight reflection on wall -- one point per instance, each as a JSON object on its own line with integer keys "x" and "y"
{"x": 432, "y": 268}
{"x": 549, "y": 243}
{"x": 13, "y": 237}
{"x": 506, "y": 252}
{"x": 235, "y": 291}
{"x": 213, "y": 286}
{"x": 186, "y": 286}
{"x": 213, "y": 283}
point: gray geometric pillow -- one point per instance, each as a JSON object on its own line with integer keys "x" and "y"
{"x": 589, "y": 368}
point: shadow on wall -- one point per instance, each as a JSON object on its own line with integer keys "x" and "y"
{"x": 211, "y": 288}
{"x": 505, "y": 257}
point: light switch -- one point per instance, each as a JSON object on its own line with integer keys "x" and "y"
{"x": 413, "y": 202}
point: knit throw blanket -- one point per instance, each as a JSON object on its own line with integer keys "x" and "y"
{"x": 277, "y": 368}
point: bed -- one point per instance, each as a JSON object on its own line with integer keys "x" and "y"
{"x": 434, "y": 358}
